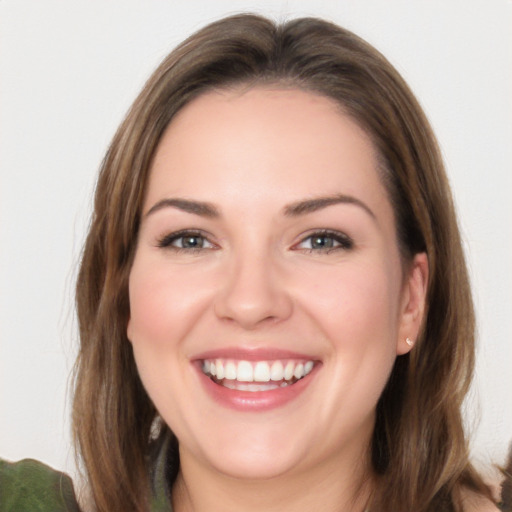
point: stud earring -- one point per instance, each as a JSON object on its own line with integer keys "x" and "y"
{"x": 409, "y": 342}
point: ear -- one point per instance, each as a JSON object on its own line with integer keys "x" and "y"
{"x": 412, "y": 307}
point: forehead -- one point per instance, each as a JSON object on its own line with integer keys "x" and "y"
{"x": 260, "y": 140}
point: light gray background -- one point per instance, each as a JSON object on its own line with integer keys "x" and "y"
{"x": 70, "y": 69}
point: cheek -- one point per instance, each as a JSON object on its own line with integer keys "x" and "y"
{"x": 164, "y": 303}
{"x": 149, "y": 327}
{"x": 356, "y": 308}
{"x": 164, "y": 307}
{"x": 356, "y": 304}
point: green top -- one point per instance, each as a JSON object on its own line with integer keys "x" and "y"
{"x": 31, "y": 486}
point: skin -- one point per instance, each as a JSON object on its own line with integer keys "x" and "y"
{"x": 257, "y": 282}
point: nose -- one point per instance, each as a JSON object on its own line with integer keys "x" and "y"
{"x": 253, "y": 293}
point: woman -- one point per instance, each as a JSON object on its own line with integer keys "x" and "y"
{"x": 273, "y": 304}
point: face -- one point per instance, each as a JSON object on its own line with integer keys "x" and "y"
{"x": 268, "y": 297}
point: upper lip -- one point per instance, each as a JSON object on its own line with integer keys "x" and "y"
{"x": 252, "y": 354}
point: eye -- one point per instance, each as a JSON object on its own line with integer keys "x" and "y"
{"x": 186, "y": 241}
{"x": 325, "y": 241}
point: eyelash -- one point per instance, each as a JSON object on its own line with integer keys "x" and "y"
{"x": 344, "y": 242}
{"x": 167, "y": 241}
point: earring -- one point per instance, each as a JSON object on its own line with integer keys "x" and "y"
{"x": 409, "y": 342}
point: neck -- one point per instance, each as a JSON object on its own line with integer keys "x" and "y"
{"x": 330, "y": 488}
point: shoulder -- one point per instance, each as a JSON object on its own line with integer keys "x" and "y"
{"x": 32, "y": 485}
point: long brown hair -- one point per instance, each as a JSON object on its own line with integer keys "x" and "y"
{"x": 419, "y": 451}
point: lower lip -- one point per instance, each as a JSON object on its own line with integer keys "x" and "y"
{"x": 255, "y": 401}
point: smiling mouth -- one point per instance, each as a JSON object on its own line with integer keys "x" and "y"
{"x": 256, "y": 376}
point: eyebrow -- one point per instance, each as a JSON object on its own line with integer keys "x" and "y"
{"x": 196, "y": 207}
{"x": 205, "y": 209}
{"x": 318, "y": 203}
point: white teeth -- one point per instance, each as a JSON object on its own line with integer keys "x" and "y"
{"x": 288, "y": 371}
{"x": 229, "y": 384}
{"x": 245, "y": 372}
{"x": 230, "y": 372}
{"x": 277, "y": 371}
{"x": 219, "y": 367}
{"x": 299, "y": 371}
{"x": 248, "y": 387}
{"x": 262, "y": 372}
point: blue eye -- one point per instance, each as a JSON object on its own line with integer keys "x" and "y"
{"x": 185, "y": 241}
{"x": 326, "y": 241}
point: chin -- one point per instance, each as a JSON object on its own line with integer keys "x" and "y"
{"x": 255, "y": 466}
{"x": 250, "y": 453}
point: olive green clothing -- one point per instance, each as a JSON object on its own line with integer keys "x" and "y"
{"x": 31, "y": 486}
